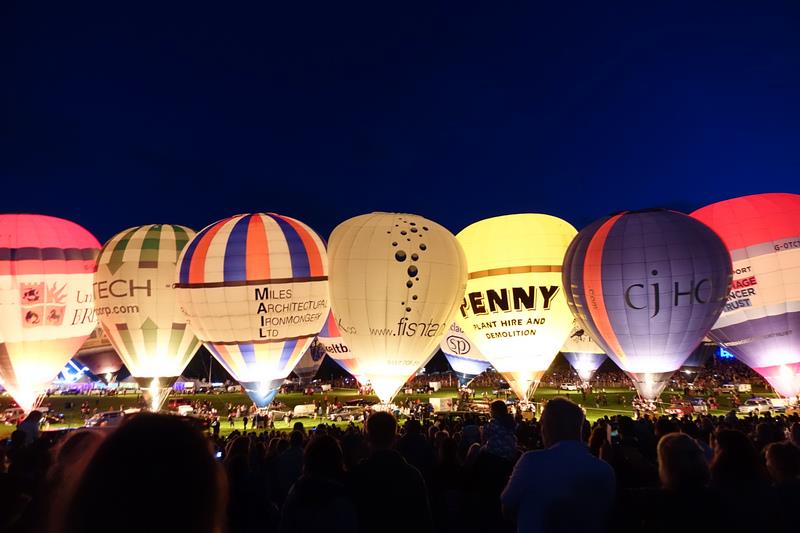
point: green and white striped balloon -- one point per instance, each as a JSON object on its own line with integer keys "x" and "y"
{"x": 137, "y": 307}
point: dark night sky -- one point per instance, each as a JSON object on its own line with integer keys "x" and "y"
{"x": 118, "y": 114}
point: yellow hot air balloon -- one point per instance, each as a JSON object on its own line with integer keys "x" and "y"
{"x": 138, "y": 308}
{"x": 396, "y": 281}
{"x": 514, "y": 309}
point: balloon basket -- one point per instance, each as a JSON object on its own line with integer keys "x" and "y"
{"x": 155, "y": 391}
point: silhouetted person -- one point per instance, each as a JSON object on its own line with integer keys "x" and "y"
{"x": 415, "y": 449}
{"x": 684, "y": 476}
{"x": 318, "y": 500}
{"x": 171, "y": 482}
{"x": 738, "y": 475}
{"x": 30, "y": 426}
{"x": 783, "y": 464}
{"x": 579, "y": 489}
{"x": 288, "y": 466}
{"x": 498, "y": 435}
{"x": 383, "y": 480}
{"x": 70, "y": 458}
{"x": 447, "y": 489}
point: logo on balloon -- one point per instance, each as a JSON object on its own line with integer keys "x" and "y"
{"x": 638, "y": 297}
{"x": 42, "y": 312}
{"x": 458, "y": 345}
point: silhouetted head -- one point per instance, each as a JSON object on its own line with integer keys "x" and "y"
{"x": 323, "y": 458}
{"x": 296, "y": 439}
{"x": 381, "y": 428}
{"x": 735, "y": 461}
{"x": 34, "y": 417}
{"x": 561, "y": 420}
{"x": 783, "y": 462}
{"x": 681, "y": 463}
{"x": 171, "y": 481}
{"x": 412, "y": 427}
{"x": 498, "y": 409}
{"x": 794, "y": 434}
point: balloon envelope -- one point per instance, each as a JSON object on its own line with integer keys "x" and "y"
{"x": 98, "y": 355}
{"x": 396, "y": 280}
{"x": 760, "y": 323}
{"x": 137, "y": 305}
{"x": 330, "y": 338}
{"x": 46, "y": 308}
{"x": 647, "y": 285}
{"x": 462, "y": 354}
{"x": 514, "y": 309}
{"x": 583, "y": 353}
{"x": 309, "y": 364}
{"x": 255, "y": 291}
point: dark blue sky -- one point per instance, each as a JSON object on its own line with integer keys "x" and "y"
{"x": 118, "y": 114}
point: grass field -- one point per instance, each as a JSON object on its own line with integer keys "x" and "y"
{"x": 73, "y": 417}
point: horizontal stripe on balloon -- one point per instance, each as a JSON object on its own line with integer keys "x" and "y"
{"x": 37, "y": 267}
{"x": 259, "y": 341}
{"x": 47, "y": 254}
{"x": 217, "y": 284}
{"x": 514, "y": 270}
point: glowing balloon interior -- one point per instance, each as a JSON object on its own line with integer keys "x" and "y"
{"x": 98, "y": 355}
{"x": 647, "y": 285}
{"x": 514, "y": 309}
{"x": 330, "y": 338}
{"x": 46, "y": 308}
{"x": 138, "y": 308}
{"x": 583, "y": 353}
{"x": 309, "y": 364}
{"x": 462, "y": 354}
{"x": 396, "y": 281}
{"x": 760, "y": 323}
{"x": 255, "y": 291}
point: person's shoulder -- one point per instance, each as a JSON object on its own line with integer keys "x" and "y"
{"x": 534, "y": 457}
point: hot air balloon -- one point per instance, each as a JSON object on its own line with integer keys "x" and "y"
{"x": 396, "y": 281}
{"x": 462, "y": 354}
{"x": 255, "y": 291}
{"x": 46, "y": 308}
{"x": 647, "y": 285}
{"x": 138, "y": 309}
{"x": 514, "y": 308}
{"x": 760, "y": 322}
{"x": 330, "y": 338}
{"x": 583, "y": 353}
{"x": 309, "y": 364}
{"x": 697, "y": 359}
{"x": 98, "y": 355}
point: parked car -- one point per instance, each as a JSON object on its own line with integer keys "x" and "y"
{"x": 105, "y": 419}
{"x": 307, "y": 410}
{"x": 12, "y": 415}
{"x": 182, "y": 405}
{"x": 280, "y": 411}
{"x": 679, "y": 408}
{"x": 361, "y": 402}
{"x": 699, "y": 405}
{"x": 347, "y": 412}
{"x": 755, "y": 405}
{"x": 568, "y": 386}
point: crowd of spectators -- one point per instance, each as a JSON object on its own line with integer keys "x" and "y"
{"x": 556, "y": 473}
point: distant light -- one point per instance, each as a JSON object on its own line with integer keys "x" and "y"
{"x": 722, "y": 353}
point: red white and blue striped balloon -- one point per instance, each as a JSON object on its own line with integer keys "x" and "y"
{"x": 254, "y": 289}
